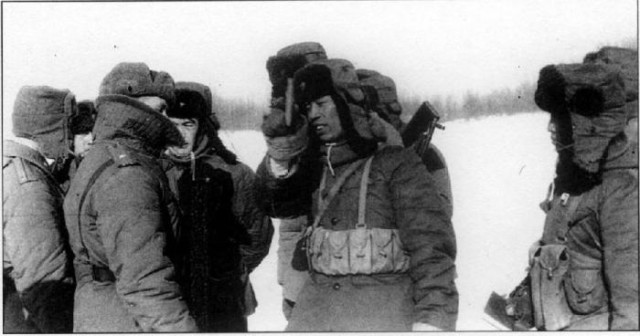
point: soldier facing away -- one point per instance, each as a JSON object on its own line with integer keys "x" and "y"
{"x": 121, "y": 214}
{"x": 37, "y": 274}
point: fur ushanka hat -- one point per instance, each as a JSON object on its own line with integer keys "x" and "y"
{"x": 42, "y": 113}
{"x": 121, "y": 115}
{"x": 337, "y": 78}
{"x": 137, "y": 80}
{"x": 587, "y": 103}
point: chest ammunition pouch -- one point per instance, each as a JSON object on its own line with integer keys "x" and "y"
{"x": 362, "y": 250}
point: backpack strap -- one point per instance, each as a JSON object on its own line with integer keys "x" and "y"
{"x": 556, "y": 229}
{"x": 362, "y": 202}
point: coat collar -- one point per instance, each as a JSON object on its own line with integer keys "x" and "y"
{"x": 13, "y": 148}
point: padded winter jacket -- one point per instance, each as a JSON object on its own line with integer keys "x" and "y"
{"x": 602, "y": 281}
{"x": 36, "y": 259}
{"x": 402, "y": 195}
{"x": 122, "y": 220}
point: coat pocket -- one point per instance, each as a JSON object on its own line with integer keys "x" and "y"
{"x": 585, "y": 290}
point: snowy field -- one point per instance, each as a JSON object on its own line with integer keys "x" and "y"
{"x": 500, "y": 168}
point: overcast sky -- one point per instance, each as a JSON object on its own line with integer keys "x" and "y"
{"x": 428, "y": 47}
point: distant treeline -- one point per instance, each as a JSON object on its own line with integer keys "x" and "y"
{"x": 236, "y": 114}
{"x": 473, "y": 105}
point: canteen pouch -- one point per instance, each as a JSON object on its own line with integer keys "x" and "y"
{"x": 548, "y": 272}
{"x": 299, "y": 261}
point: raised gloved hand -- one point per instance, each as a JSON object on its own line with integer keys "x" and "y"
{"x": 284, "y": 142}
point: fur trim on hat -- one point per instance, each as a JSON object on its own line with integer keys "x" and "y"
{"x": 122, "y": 117}
{"x": 194, "y": 100}
{"x": 137, "y": 80}
{"x": 205, "y": 92}
{"x": 587, "y": 102}
{"x": 337, "y": 78}
{"x": 42, "y": 113}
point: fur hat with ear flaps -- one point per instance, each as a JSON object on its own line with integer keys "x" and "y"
{"x": 337, "y": 78}
{"x": 288, "y": 60}
{"x": 42, "y": 113}
{"x": 586, "y": 102}
{"x": 122, "y": 116}
{"x": 195, "y": 101}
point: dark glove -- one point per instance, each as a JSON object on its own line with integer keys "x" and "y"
{"x": 284, "y": 142}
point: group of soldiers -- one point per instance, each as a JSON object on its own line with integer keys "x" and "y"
{"x": 128, "y": 213}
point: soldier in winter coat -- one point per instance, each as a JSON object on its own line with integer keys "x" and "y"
{"x": 223, "y": 234}
{"x": 380, "y": 247}
{"x": 584, "y": 269}
{"x": 37, "y": 274}
{"x": 291, "y": 217}
{"x": 121, "y": 214}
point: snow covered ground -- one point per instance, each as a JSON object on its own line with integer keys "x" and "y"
{"x": 500, "y": 168}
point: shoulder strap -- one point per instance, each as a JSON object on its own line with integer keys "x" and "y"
{"x": 96, "y": 174}
{"x": 362, "y": 203}
{"x": 557, "y": 229}
{"x": 324, "y": 204}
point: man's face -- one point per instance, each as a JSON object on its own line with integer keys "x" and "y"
{"x": 82, "y": 143}
{"x": 323, "y": 116}
{"x": 156, "y": 103}
{"x": 188, "y": 129}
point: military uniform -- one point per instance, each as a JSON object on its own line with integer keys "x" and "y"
{"x": 381, "y": 249}
{"x": 37, "y": 272}
{"x": 584, "y": 269}
{"x": 38, "y": 279}
{"x": 122, "y": 217}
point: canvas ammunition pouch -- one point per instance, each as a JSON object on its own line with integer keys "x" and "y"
{"x": 564, "y": 284}
{"x": 549, "y": 268}
{"x": 362, "y": 250}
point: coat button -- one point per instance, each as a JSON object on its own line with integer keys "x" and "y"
{"x": 334, "y": 221}
{"x": 336, "y": 286}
